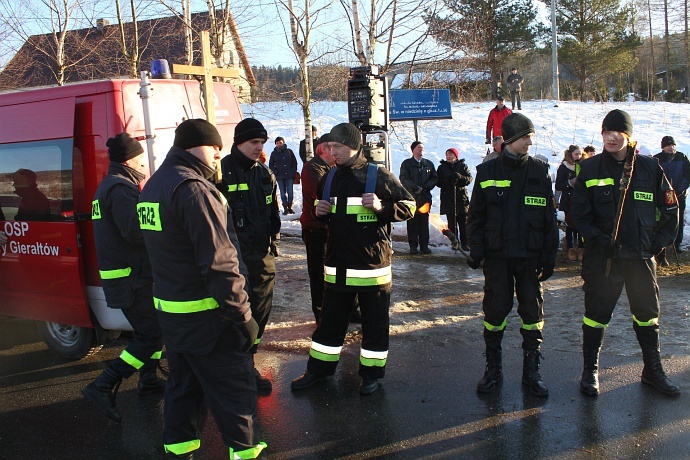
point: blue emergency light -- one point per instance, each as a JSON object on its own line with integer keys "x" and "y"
{"x": 160, "y": 69}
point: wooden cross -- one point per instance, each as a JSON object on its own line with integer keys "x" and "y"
{"x": 207, "y": 71}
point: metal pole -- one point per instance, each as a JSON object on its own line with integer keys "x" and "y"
{"x": 554, "y": 51}
{"x": 146, "y": 93}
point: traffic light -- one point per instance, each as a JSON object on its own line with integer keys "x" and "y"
{"x": 367, "y": 99}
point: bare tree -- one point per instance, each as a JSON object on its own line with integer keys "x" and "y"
{"x": 395, "y": 24}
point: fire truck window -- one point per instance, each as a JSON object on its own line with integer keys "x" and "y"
{"x": 35, "y": 180}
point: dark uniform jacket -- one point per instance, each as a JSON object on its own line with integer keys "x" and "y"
{"x": 595, "y": 202}
{"x": 359, "y": 252}
{"x": 677, "y": 170}
{"x": 123, "y": 262}
{"x": 511, "y": 211}
{"x": 197, "y": 284}
{"x": 415, "y": 174}
{"x": 453, "y": 179}
{"x": 250, "y": 188}
{"x": 312, "y": 172}
{"x": 303, "y": 148}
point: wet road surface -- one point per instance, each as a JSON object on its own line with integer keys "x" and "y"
{"x": 427, "y": 408}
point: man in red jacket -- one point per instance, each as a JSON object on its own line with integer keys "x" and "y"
{"x": 496, "y": 117}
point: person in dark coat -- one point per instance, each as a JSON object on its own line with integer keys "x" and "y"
{"x": 647, "y": 222}
{"x": 512, "y": 229}
{"x": 358, "y": 259}
{"x": 303, "y": 146}
{"x": 34, "y": 205}
{"x": 284, "y": 165}
{"x": 251, "y": 191}
{"x": 453, "y": 178}
{"x": 418, "y": 176}
{"x": 199, "y": 297}
{"x": 676, "y": 166}
{"x": 124, "y": 266}
{"x": 565, "y": 180}
{"x": 514, "y": 81}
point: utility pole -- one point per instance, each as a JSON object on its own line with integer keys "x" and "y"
{"x": 554, "y": 52}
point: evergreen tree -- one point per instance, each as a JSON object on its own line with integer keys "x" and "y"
{"x": 595, "y": 40}
{"x": 487, "y": 31}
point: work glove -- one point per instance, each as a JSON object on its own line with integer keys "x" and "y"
{"x": 475, "y": 259}
{"x": 487, "y": 141}
{"x": 250, "y": 331}
{"x": 275, "y": 252}
{"x": 544, "y": 270}
{"x": 656, "y": 248}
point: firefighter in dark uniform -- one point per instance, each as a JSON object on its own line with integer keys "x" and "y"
{"x": 512, "y": 229}
{"x": 126, "y": 274}
{"x": 250, "y": 188}
{"x": 358, "y": 259}
{"x": 631, "y": 256}
{"x": 200, "y": 299}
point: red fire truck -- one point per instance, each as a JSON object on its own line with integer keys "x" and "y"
{"x": 52, "y": 158}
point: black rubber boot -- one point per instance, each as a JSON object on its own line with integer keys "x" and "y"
{"x": 530, "y": 373}
{"x": 493, "y": 375}
{"x": 653, "y": 372}
{"x": 285, "y": 210}
{"x": 289, "y": 209}
{"x": 592, "y": 338}
{"x": 103, "y": 391}
{"x": 149, "y": 382}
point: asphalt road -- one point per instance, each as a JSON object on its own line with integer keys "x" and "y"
{"x": 427, "y": 408}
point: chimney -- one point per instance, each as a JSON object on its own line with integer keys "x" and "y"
{"x": 101, "y": 23}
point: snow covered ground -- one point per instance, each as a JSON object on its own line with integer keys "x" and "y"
{"x": 557, "y": 126}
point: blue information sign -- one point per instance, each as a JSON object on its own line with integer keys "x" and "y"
{"x": 419, "y": 104}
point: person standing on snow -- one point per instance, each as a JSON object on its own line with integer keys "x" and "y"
{"x": 625, "y": 258}
{"x": 125, "y": 270}
{"x": 514, "y": 81}
{"x": 284, "y": 165}
{"x": 418, "y": 176}
{"x": 512, "y": 228}
{"x": 453, "y": 178}
{"x": 495, "y": 120}
{"x": 358, "y": 259}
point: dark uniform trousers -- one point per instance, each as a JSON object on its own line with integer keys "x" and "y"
{"x": 144, "y": 351}
{"x": 222, "y": 380}
{"x": 502, "y": 278}
{"x": 315, "y": 242}
{"x": 262, "y": 278}
{"x": 337, "y": 310}
{"x": 418, "y": 230}
{"x": 602, "y": 292}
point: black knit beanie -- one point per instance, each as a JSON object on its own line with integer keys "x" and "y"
{"x": 414, "y": 145}
{"x": 248, "y": 129}
{"x": 196, "y": 132}
{"x": 123, "y": 147}
{"x": 347, "y": 134}
{"x": 323, "y": 139}
{"x": 619, "y": 121}
{"x": 667, "y": 140}
{"x": 515, "y": 126}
